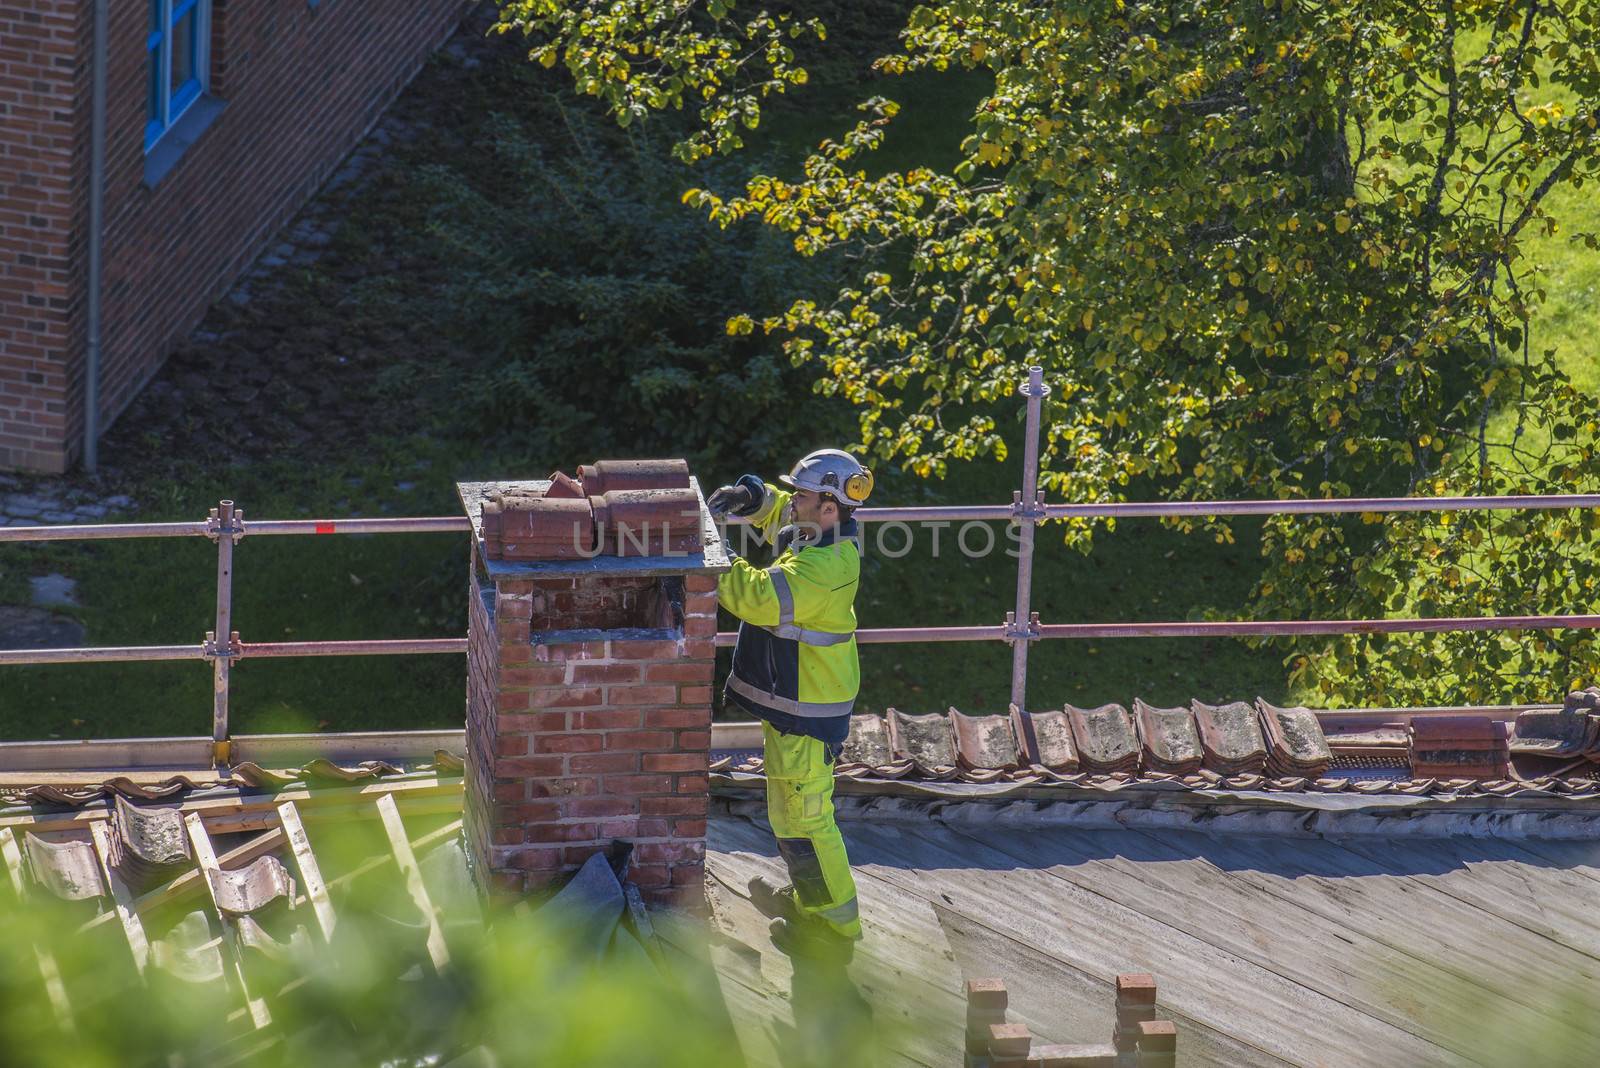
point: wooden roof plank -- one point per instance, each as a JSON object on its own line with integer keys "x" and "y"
{"x": 206, "y": 856}
{"x": 1543, "y": 899}
{"x": 1105, "y": 938}
{"x": 122, "y": 899}
{"x": 305, "y": 862}
{"x": 191, "y": 880}
{"x": 49, "y": 971}
{"x": 918, "y": 952}
{"x": 395, "y": 828}
{"x": 1342, "y": 960}
{"x": 1057, "y": 998}
{"x": 259, "y": 811}
{"x": 1379, "y": 900}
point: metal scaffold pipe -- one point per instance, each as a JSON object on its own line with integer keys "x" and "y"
{"x": 220, "y": 641}
{"x": 1029, "y": 511}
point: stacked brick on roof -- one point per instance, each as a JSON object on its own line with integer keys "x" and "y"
{"x": 1459, "y": 746}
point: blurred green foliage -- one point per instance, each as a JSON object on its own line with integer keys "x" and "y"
{"x": 523, "y": 987}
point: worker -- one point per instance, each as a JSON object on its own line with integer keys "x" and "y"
{"x": 795, "y": 669}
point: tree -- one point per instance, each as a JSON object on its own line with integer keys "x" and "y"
{"x": 1260, "y": 248}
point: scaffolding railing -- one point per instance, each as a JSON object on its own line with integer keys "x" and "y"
{"x": 222, "y": 646}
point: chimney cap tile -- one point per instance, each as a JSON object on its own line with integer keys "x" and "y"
{"x": 711, "y": 559}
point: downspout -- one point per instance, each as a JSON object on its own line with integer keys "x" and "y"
{"x": 97, "y": 174}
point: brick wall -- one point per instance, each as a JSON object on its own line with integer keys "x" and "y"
{"x": 302, "y": 84}
{"x": 39, "y": 87}
{"x": 574, "y": 742}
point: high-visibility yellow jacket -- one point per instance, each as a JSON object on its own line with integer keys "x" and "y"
{"x": 795, "y": 662}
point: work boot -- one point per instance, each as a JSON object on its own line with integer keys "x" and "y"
{"x": 773, "y": 899}
{"x": 811, "y": 939}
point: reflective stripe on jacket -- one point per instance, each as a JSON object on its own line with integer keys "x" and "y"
{"x": 795, "y": 661}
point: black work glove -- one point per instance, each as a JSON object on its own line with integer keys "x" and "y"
{"x": 742, "y": 498}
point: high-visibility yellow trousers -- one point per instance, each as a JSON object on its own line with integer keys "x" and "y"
{"x": 800, "y": 809}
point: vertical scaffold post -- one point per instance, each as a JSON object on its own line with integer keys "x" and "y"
{"x": 1028, "y": 509}
{"x": 220, "y": 644}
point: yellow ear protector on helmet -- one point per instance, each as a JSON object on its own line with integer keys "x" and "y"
{"x": 858, "y": 487}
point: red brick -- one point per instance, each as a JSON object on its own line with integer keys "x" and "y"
{"x": 535, "y": 858}
{"x": 694, "y": 695}
{"x": 674, "y": 806}
{"x": 514, "y": 609}
{"x": 690, "y": 671}
{"x": 562, "y": 832}
{"x": 516, "y": 701}
{"x": 573, "y": 856}
{"x": 700, "y": 648}
{"x": 634, "y": 828}
{"x": 602, "y": 763}
{"x": 700, "y": 626}
{"x": 689, "y": 828}
{"x": 650, "y": 875}
{"x": 564, "y": 697}
{"x": 511, "y": 745}
{"x": 700, "y": 583}
{"x": 505, "y": 883}
{"x": 570, "y": 651}
{"x": 645, "y": 650}
{"x": 677, "y": 717}
{"x": 694, "y": 741}
{"x": 535, "y": 722}
{"x": 537, "y": 811}
{"x": 605, "y": 673}
{"x": 610, "y": 719}
{"x": 567, "y": 743}
{"x": 601, "y": 807}
{"x": 510, "y": 587}
{"x": 699, "y": 604}
{"x": 692, "y": 784}
{"x": 511, "y": 791}
{"x": 529, "y": 767}
{"x": 639, "y": 740}
{"x": 669, "y": 852}
{"x": 507, "y": 835}
{"x": 675, "y": 762}
{"x": 567, "y": 786}
{"x": 627, "y": 785}
{"x": 1136, "y": 988}
{"x": 539, "y": 675}
{"x": 641, "y": 695}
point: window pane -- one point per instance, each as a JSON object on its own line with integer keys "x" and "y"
{"x": 183, "y": 50}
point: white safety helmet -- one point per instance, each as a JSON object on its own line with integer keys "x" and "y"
{"x": 833, "y": 472}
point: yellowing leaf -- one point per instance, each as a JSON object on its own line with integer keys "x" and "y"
{"x": 1088, "y": 320}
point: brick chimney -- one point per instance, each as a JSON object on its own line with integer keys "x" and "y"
{"x": 588, "y": 700}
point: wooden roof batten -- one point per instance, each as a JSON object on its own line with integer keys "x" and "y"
{"x": 224, "y": 882}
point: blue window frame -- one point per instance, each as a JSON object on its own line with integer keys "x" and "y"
{"x": 176, "y": 45}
